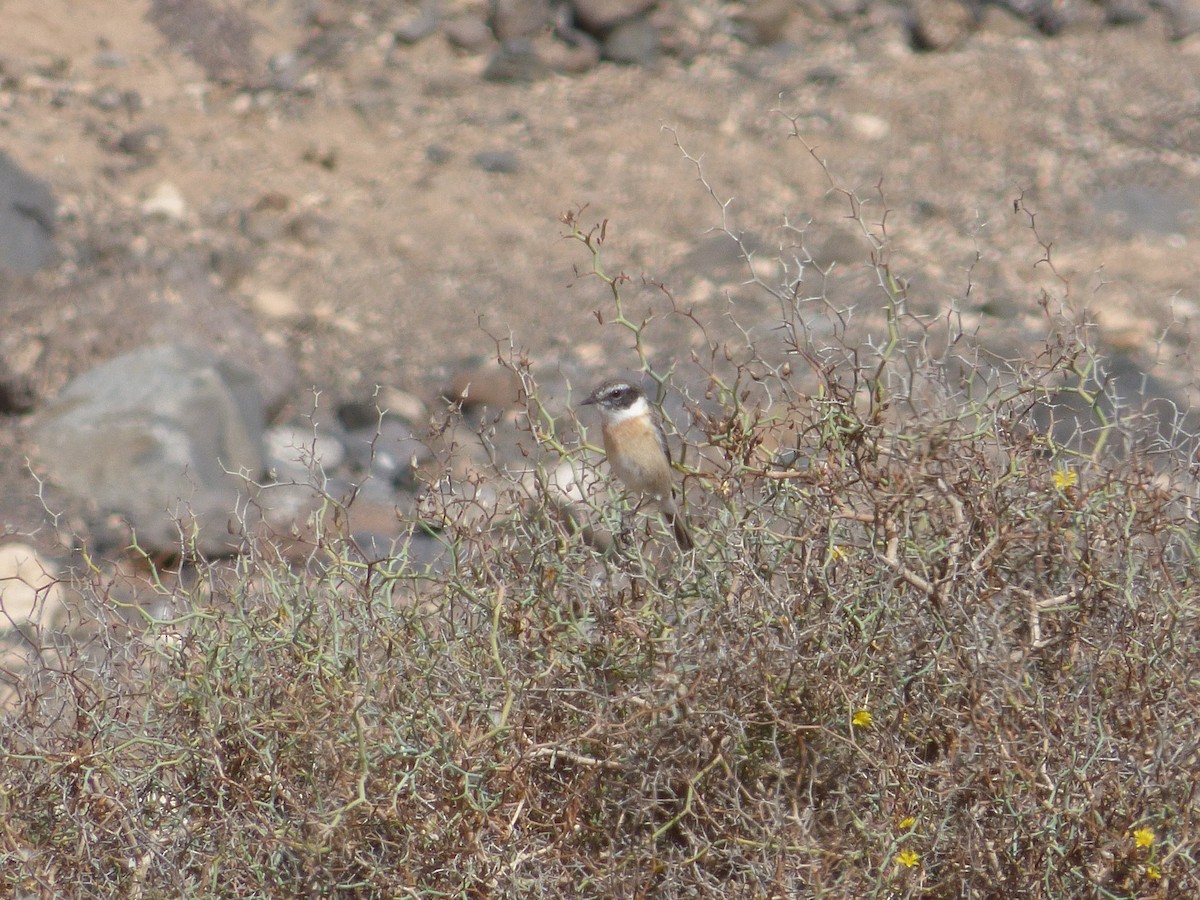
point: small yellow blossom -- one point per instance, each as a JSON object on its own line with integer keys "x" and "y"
{"x": 1065, "y": 478}
{"x": 1143, "y": 837}
{"x": 908, "y": 858}
{"x": 1153, "y": 873}
{"x": 836, "y": 553}
{"x": 862, "y": 718}
{"x": 908, "y": 822}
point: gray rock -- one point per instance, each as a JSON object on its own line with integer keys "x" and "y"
{"x": 1183, "y": 17}
{"x": 144, "y": 143}
{"x": 27, "y": 212}
{"x": 439, "y": 154}
{"x": 164, "y": 435}
{"x": 500, "y": 162}
{"x": 633, "y": 43}
{"x": 1124, "y": 12}
{"x": 763, "y": 22}
{"x": 469, "y": 33}
{"x": 939, "y": 24}
{"x": 519, "y": 18}
{"x": 600, "y": 16}
{"x": 110, "y": 59}
{"x": 416, "y": 28}
{"x": 844, "y": 10}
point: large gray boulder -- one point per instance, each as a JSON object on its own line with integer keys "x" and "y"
{"x": 166, "y": 436}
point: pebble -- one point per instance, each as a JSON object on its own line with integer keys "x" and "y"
{"x": 500, "y": 162}
{"x": 468, "y": 33}
{"x": 409, "y": 407}
{"x": 632, "y": 43}
{"x": 599, "y": 16}
{"x": 277, "y": 304}
{"x": 144, "y": 143}
{"x": 870, "y": 127}
{"x": 519, "y": 18}
{"x": 166, "y": 202}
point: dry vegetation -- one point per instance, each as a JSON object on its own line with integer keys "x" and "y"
{"x": 928, "y": 646}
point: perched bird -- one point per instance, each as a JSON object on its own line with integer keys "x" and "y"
{"x": 637, "y": 449}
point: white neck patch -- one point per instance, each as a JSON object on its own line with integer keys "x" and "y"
{"x": 639, "y": 408}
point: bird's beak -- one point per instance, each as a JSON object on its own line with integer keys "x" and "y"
{"x": 590, "y": 401}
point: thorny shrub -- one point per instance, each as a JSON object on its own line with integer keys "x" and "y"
{"x": 932, "y": 643}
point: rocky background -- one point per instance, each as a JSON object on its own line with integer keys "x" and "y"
{"x": 232, "y": 234}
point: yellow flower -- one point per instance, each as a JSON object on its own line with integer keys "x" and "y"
{"x": 1065, "y": 478}
{"x": 1143, "y": 837}
{"x": 862, "y": 718}
{"x": 908, "y": 822}
{"x": 836, "y": 553}
{"x": 908, "y": 858}
{"x": 1153, "y": 873}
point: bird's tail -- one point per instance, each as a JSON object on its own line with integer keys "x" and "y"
{"x": 682, "y": 535}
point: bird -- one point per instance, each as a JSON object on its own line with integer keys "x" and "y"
{"x": 637, "y": 449}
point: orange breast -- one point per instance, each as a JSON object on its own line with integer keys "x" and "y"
{"x": 636, "y": 457}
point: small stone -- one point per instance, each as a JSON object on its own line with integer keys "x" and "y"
{"x": 439, "y": 154}
{"x": 519, "y": 18}
{"x": 823, "y": 75}
{"x": 870, "y": 127}
{"x": 421, "y": 25}
{"x": 1124, "y": 12}
{"x": 273, "y": 303}
{"x": 468, "y": 33}
{"x": 762, "y": 22}
{"x": 321, "y": 155}
{"x": 110, "y": 59}
{"x": 144, "y": 143}
{"x": 499, "y": 162}
{"x": 600, "y": 16}
{"x": 107, "y": 98}
{"x": 310, "y": 228}
{"x": 409, "y": 407}
{"x": 632, "y": 43}
{"x": 1183, "y": 17}
{"x": 845, "y": 10}
{"x": 166, "y": 202}
{"x": 938, "y": 24}
{"x": 416, "y": 29}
